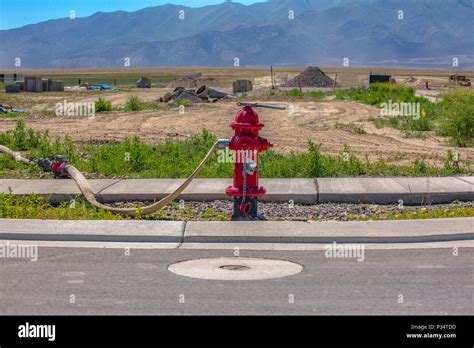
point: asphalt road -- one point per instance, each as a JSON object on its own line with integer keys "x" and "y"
{"x": 106, "y": 281}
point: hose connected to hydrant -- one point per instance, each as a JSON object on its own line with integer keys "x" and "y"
{"x": 89, "y": 194}
{"x": 245, "y": 190}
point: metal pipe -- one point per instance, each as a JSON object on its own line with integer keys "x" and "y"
{"x": 257, "y": 105}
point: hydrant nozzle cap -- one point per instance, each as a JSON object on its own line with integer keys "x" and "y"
{"x": 247, "y": 115}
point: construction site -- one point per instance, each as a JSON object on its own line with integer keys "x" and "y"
{"x": 305, "y": 105}
{"x": 328, "y": 120}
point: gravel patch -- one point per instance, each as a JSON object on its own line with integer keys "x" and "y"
{"x": 216, "y": 210}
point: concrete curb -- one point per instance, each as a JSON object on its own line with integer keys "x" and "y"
{"x": 93, "y": 231}
{"x": 405, "y": 231}
{"x": 307, "y": 191}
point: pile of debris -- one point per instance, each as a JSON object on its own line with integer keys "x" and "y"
{"x": 203, "y": 94}
{"x": 311, "y": 77}
{"x": 6, "y": 109}
{"x": 193, "y": 81}
{"x": 144, "y": 82}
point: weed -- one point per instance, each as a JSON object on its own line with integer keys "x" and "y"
{"x": 103, "y": 105}
{"x": 184, "y": 102}
{"x": 351, "y": 127}
{"x": 133, "y": 103}
{"x": 48, "y": 113}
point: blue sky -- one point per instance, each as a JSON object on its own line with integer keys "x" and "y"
{"x": 17, "y": 13}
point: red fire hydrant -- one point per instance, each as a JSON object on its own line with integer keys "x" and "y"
{"x": 246, "y": 145}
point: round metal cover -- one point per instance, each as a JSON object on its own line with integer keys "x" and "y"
{"x": 235, "y": 268}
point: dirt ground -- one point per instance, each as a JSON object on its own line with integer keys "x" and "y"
{"x": 330, "y": 123}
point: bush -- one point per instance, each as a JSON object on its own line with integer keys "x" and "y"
{"x": 134, "y": 158}
{"x": 456, "y": 116}
{"x": 133, "y": 104}
{"x": 103, "y": 105}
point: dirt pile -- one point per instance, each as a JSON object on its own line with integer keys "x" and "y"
{"x": 311, "y": 77}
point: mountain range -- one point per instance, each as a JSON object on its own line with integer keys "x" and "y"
{"x": 427, "y": 33}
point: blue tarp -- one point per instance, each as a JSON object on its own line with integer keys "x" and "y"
{"x": 101, "y": 87}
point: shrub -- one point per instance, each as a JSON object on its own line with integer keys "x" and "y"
{"x": 133, "y": 103}
{"x": 103, "y": 105}
{"x": 456, "y": 116}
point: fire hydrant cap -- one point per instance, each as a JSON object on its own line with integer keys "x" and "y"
{"x": 247, "y": 115}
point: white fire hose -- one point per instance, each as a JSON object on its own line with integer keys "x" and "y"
{"x": 89, "y": 195}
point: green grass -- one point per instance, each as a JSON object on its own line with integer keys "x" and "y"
{"x": 134, "y": 103}
{"x": 18, "y": 115}
{"x": 351, "y": 127}
{"x": 38, "y": 207}
{"x": 177, "y": 159}
{"x": 124, "y": 80}
{"x": 48, "y": 113}
{"x": 317, "y": 95}
{"x": 379, "y": 93}
{"x": 184, "y": 102}
{"x": 453, "y": 117}
{"x": 410, "y": 214}
{"x": 381, "y": 122}
{"x": 151, "y": 106}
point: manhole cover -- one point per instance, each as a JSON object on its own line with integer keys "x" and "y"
{"x": 235, "y": 268}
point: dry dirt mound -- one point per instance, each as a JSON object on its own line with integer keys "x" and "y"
{"x": 311, "y": 77}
